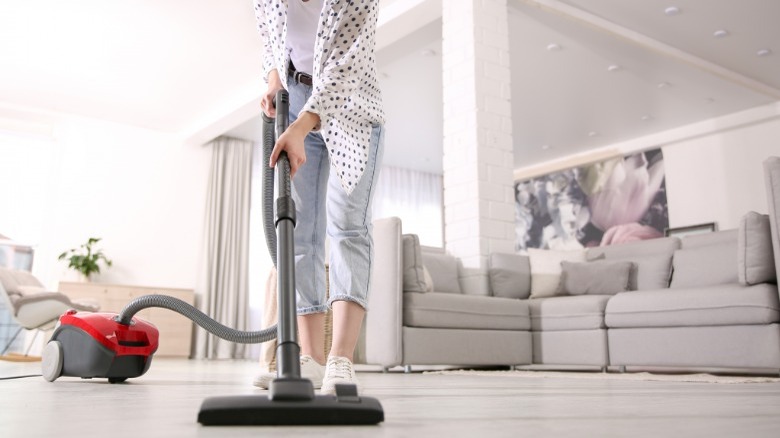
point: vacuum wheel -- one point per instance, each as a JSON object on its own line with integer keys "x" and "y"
{"x": 51, "y": 361}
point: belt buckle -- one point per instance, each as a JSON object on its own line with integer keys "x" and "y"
{"x": 297, "y": 76}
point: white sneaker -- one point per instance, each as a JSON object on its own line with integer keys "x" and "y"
{"x": 338, "y": 370}
{"x": 310, "y": 369}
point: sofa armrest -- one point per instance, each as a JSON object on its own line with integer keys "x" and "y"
{"x": 384, "y": 319}
{"x": 772, "y": 181}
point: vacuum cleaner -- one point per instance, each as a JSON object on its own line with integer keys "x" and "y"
{"x": 120, "y": 346}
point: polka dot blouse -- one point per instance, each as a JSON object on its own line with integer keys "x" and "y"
{"x": 345, "y": 92}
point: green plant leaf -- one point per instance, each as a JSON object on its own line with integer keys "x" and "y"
{"x": 85, "y": 261}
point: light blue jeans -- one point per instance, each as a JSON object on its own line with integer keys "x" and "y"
{"x": 322, "y": 206}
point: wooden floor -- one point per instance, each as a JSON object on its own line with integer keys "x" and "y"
{"x": 165, "y": 402}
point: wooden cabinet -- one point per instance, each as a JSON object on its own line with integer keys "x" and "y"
{"x": 175, "y": 330}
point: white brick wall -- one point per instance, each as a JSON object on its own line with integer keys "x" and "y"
{"x": 478, "y": 162}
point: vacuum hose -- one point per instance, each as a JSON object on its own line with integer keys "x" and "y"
{"x": 269, "y": 226}
{"x": 197, "y": 317}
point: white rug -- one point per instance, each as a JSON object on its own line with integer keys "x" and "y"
{"x": 697, "y": 378}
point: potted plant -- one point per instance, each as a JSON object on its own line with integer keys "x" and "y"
{"x": 85, "y": 259}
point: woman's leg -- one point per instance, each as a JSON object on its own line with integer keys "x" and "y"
{"x": 311, "y": 336}
{"x": 351, "y": 250}
{"x": 309, "y": 188}
{"x": 347, "y": 319}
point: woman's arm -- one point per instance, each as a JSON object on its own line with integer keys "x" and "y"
{"x": 262, "y": 27}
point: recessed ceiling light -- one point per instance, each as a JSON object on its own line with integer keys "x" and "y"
{"x": 593, "y": 134}
{"x": 663, "y": 84}
{"x": 764, "y": 52}
{"x": 552, "y": 47}
{"x": 672, "y": 11}
{"x": 721, "y": 33}
{"x": 613, "y": 67}
{"x": 545, "y": 147}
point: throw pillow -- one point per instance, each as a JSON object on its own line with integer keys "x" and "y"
{"x": 444, "y": 270}
{"x": 755, "y": 257}
{"x": 546, "y": 269}
{"x": 510, "y": 276}
{"x": 428, "y": 280}
{"x": 595, "y": 278}
{"x": 650, "y": 272}
{"x": 414, "y": 276}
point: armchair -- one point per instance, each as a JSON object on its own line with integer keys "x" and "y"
{"x": 30, "y": 305}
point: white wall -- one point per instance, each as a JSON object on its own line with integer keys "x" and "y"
{"x": 143, "y": 192}
{"x": 714, "y": 168}
{"x": 719, "y": 177}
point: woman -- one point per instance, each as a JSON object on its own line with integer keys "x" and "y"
{"x": 322, "y": 52}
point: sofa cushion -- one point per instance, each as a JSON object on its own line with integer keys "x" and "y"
{"x": 755, "y": 258}
{"x": 414, "y": 277}
{"x": 12, "y": 279}
{"x": 708, "y": 239}
{"x": 510, "y": 275}
{"x": 729, "y": 304}
{"x": 706, "y": 260}
{"x": 446, "y": 310}
{"x": 30, "y": 289}
{"x": 444, "y": 271}
{"x": 583, "y": 312}
{"x": 663, "y": 245}
{"x": 595, "y": 278}
{"x": 546, "y": 270}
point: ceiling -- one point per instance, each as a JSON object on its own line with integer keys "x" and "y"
{"x": 671, "y": 70}
{"x": 180, "y": 66}
{"x": 162, "y": 65}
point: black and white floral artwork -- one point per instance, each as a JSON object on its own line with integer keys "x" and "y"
{"x": 613, "y": 201}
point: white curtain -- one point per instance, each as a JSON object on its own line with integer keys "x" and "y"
{"x": 416, "y": 198}
{"x": 259, "y": 259}
{"x": 226, "y": 290}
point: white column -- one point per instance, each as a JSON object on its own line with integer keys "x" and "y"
{"x": 478, "y": 160}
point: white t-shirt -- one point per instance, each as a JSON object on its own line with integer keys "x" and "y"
{"x": 302, "y": 20}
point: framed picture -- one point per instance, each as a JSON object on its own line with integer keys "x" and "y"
{"x": 691, "y": 229}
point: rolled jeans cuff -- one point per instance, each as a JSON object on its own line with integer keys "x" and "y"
{"x": 322, "y": 308}
{"x": 361, "y": 302}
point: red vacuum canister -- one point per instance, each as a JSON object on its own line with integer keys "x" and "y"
{"x": 91, "y": 345}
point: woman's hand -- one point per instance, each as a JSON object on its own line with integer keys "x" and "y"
{"x": 291, "y": 141}
{"x": 274, "y": 85}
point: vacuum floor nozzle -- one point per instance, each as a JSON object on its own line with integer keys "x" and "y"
{"x": 260, "y": 410}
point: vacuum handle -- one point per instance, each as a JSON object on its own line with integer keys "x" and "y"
{"x": 288, "y": 350}
{"x": 282, "y": 104}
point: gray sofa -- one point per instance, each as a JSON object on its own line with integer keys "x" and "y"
{"x": 709, "y": 316}
{"x": 705, "y": 301}
{"x": 446, "y": 325}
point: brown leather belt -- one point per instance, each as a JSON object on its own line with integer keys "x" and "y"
{"x": 299, "y": 77}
